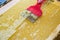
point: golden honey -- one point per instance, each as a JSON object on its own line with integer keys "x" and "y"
{"x": 10, "y": 29}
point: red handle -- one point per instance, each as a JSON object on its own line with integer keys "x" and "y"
{"x": 36, "y": 9}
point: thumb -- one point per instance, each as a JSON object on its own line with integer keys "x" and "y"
{"x": 39, "y": 1}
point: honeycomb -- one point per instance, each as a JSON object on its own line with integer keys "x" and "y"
{"x": 12, "y": 27}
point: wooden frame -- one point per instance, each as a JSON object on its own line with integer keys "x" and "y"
{"x": 8, "y": 6}
{"x": 54, "y": 33}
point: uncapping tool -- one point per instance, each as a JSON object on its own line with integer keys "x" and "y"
{"x": 32, "y": 13}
